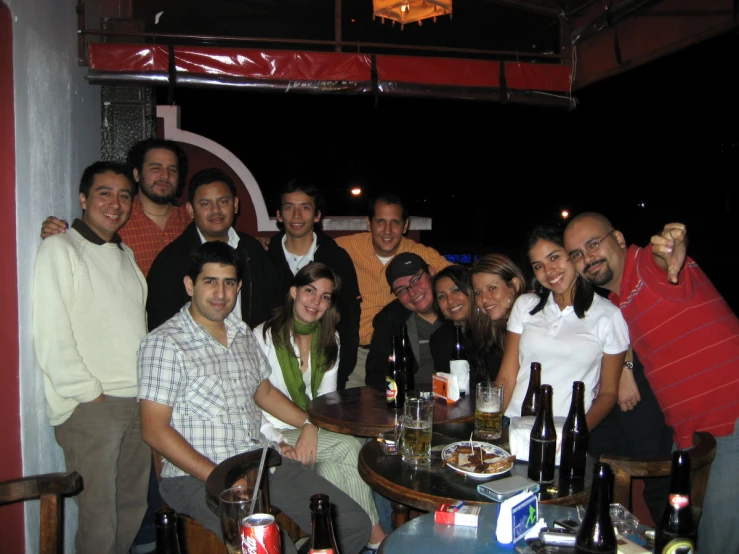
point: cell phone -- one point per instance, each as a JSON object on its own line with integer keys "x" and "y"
{"x": 505, "y": 488}
{"x": 569, "y": 524}
{"x": 557, "y": 537}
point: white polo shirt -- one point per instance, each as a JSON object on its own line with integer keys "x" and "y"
{"x": 568, "y": 348}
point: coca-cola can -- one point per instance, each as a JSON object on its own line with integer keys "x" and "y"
{"x": 260, "y": 535}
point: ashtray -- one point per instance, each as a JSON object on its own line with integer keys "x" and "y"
{"x": 388, "y": 442}
{"x": 623, "y": 520}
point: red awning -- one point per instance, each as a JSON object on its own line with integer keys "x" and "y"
{"x": 524, "y": 82}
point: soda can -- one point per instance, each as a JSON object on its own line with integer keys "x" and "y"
{"x": 260, "y": 535}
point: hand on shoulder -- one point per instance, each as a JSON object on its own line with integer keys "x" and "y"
{"x": 670, "y": 249}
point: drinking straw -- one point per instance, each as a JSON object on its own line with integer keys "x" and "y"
{"x": 259, "y": 478}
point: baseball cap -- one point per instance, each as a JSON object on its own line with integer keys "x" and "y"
{"x": 403, "y": 265}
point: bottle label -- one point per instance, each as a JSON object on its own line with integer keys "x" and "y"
{"x": 679, "y": 546}
{"x": 679, "y": 500}
{"x": 321, "y": 551}
{"x": 391, "y": 389}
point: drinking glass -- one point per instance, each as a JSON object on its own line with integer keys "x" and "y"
{"x": 235, "y": 505}
{"x": 414, "y": 430}
{"x": 488, "y": 411}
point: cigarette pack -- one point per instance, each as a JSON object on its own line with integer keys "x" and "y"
{"x": 457, "y": 513}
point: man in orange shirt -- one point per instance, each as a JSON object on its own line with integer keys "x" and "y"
{"x": 387, "y": 222}
{"x": 157, "y": 217}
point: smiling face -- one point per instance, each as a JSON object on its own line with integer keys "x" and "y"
{"x": 213, "y": 208}
{"x": 603, "y": 266}
{"x": 311, "y": 301}
{"x": 552, "y": 267}
{"x": 387, "y": 228}
{"x": 159, "y": 175}
{"x": 298, "y": 213}
{"x": 492, "y": 295}
{"x": 107, "y": 206}
{"x": 453, "y": 303}
{"x": 415, "y": 292}
{"x": 213, "y": 293}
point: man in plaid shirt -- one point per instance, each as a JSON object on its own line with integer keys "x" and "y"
{"x": 202, "y": 382}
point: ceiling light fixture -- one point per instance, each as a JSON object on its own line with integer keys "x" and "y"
{"x": 410, "y": 11}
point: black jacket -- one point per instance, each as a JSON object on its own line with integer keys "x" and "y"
{"x": 331, "y": 254}
{"x": 167, "y": 294}
{"x": 442, "y": 343}
{"x": 386, "y": 324}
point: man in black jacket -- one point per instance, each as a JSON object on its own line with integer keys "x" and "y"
{"x": 410, "y": 279}
{"x": 213, "y": 203}
{"x": 301, "y": 242}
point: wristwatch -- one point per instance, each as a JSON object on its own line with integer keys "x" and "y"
{"x": 629, "y": 365}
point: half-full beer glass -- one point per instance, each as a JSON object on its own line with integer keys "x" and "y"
{"x": 488, "y": 411}
{"x": 415, "y": 430}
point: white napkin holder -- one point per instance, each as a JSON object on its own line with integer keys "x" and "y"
{"x": 461, "y": 368}
{"x": 516, "y": 517}
{"x": 519, "y": 435}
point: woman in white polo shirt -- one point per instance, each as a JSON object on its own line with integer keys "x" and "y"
{"x": 575, "y": 334}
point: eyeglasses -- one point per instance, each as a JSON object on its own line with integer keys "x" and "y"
{"x": 415, "y": 280}
{"x": 590, "y": 247}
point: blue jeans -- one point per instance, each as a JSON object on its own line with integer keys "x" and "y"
{"x": 718, "y": 530}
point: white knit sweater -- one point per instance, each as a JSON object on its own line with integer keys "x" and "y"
{"x": 88, "y": 320}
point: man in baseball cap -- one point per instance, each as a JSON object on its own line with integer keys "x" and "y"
{"x": 411, "y": 281}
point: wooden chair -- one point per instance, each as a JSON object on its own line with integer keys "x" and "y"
{"x": 195, "y": 538}
{"x": 50, "y": 488}
{"x": 701, "y": 457}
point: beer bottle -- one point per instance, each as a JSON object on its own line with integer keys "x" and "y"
{"x": 530, "y": 406}
{"x": 459, "y": 358}
{"x": 575, "y": 436}
{"x": 166, "y": 524}
{"x": 676, "y": 531}
{"x": 322, "y": 539}
{"x": 408, "y": 359}
{"x": 395, "y": 379}
{"x": 596, "y": 534}
{"x": 543, "y": 440}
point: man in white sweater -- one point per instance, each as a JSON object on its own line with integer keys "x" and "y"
{"x": 88, "y": 320}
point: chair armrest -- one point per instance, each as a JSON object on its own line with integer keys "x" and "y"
{"x": 30, "y": 488}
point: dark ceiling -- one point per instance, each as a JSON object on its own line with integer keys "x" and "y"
{"x": 476, "y": 24}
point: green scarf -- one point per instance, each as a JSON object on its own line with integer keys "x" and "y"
{"x": 291, "y": 368}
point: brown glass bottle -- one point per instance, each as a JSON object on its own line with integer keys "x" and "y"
{"x": 409, "y": 361}
{"x": 395, "y": 379}
{"x": 166, "y": 524}
{"x": 322, "y": 539}
{"x": 575, "y": 436}
{"x": 596, "y": 534}
{"x": 530, "y": 406}
{"x": 543, "y": 440}
{"x": 676, "y": 530}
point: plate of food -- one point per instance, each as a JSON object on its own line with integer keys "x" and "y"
{"x": 479, "y": 460}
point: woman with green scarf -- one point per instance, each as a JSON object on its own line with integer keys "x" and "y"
{"x": 302, "y": 347}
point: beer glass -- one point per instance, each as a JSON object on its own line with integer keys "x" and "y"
{"x": 235, "y": 505}
{"x": 488, "y": 411}
{"x": 414, "y": 430}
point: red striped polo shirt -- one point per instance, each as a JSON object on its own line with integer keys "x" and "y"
{"x": 687, "y": 337}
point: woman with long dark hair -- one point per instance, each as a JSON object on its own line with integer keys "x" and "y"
{"x": 575, "y": 334}
{"x": 302, "y": 346}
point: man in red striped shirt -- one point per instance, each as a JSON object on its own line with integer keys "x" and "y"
{"x": 687, "y": 337}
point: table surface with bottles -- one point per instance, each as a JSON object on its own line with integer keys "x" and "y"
{"x": 425, "y": 487}
{"x": 363, "y": 411}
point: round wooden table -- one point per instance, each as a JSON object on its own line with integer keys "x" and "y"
{"x": 425, "y": 487}
{"x": 363, "y": 411}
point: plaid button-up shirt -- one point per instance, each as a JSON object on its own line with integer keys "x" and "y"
{"x": 210, "y": 387}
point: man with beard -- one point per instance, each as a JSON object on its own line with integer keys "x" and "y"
{"x": 687, "y": 337}
{"x": 157, "y": 217}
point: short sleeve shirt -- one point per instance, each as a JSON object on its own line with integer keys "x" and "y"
{"x": 210, "y": 387}
{"x": 567, "y": 347}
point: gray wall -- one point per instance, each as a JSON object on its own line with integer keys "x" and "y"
{"x": 57, "y": 125}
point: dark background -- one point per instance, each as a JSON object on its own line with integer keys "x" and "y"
{"x": 654, "y": 145}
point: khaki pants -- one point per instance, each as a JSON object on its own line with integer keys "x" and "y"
{"x": 356, "y": 379}
{"x": 102, "y": 442}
